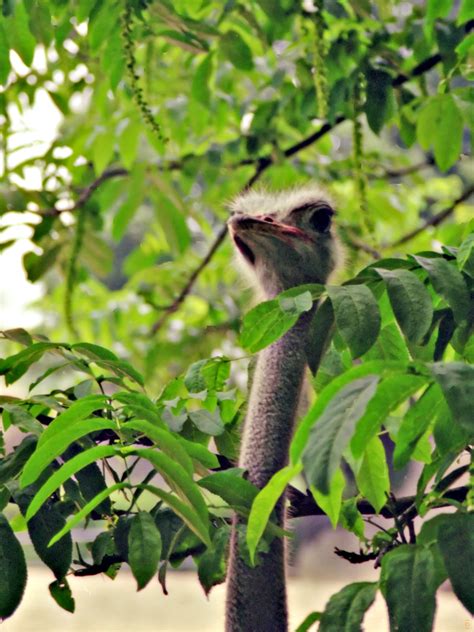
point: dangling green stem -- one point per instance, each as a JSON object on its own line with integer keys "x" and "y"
{"x": 137, "y": 90}
{"x": 320, "y": 77}
{"x": 358, "y": 159}
{"x": 71, "y": 275}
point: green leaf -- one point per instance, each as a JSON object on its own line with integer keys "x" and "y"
{"x": 86, "y": 510}
{"x": 379, "y": 102}
{"x": 466, "y": 12}
{"x": 449, "y": 283}
{"x": 414, "y": 424}
{"x": 207, "y": 374}
{"x": 391, "y": 392}
{"x": 78, "y": 410}
{"x": 331, "y": 503}
{"x": 231, "y": 487}
{"x": 199, "y": 453}
{"x": 264, "y": 503}
{"x": 174, "y": 225}
{"x": 212, "y": 564}
{"x": 357, "y": 316}
{"x": 236, "y": 50}
{"x": 457, "y": 383}
{"x": 184, "y": 511}
{"x": 22, "y": 41}
{"x": 372, "y": 476}
{"x": 62, "y": 595}
{"x": 12, "y": 570}
{"x": 46, "y": 453}
{"x": 456, "y": 541}
{"x": 101, "y": 24}
{"x": 390, "y": 345}
{"x": 128, "y": 142}
{"x": 13, "y": 462}
{"x": 295, "y": 304}
{"x": 139, "y": 405}
{"x": 465, "y": 255}
{"x": 313, "y": 617}
{"x": 345, "y": 610}
{"x": 68, "y": 469}
{"x": 94, "y": 352}
{"x": 37, "y": 265}
{"x": 440, "y": 124}
{"x": 102, "y": 149}
{"x": 47, "y": 521}
{"x": 320, "y": 332}
{"x": 18, "y": 364}
{"x": 408, "y": 585}
{"x": 333, "y": 430}
{"x": 351, "y": 518}
{"x": 177, "y": 478}
{"x": 264, "y": 324}
{"x": 84, "y": 9}
{"x": 200, "y": 83}
{"x": 144, "y": 548}
{"x": 374, "y": 367}
{"x": 207, "y": 422}
{"x": 435, "y": 9}
{"x": 133, "y": 198}
{"x": 411, "y": 302}
{"x": 4, "y": 56}
{"x": 164, "y": 440}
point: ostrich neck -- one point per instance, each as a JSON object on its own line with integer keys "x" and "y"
{"x": 273, "y": 403}
{"x": 256, "y": 597}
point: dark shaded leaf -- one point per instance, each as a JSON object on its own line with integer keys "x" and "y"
{"x": 357, "y": 316}
{"x": 408, "y": 583}
{"x": 236, "y": 50}
{"x": 379, "y": 102}
{"x": 449, "y": 283}
{"x": 457, "y": 383}
{"x": 144, "y": 548}
{"x": 346, "y": 609}
{"x": 62, "y": 595}
{"x": 213, "y": 562}
{"x": 12, "y": 570}
{"x": 456, "y": 541}
{"x": 411, "y": 302}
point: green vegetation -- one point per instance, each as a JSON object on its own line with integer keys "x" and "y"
{"x": 168, "y": 109}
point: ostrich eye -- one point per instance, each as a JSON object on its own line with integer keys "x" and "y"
{"x": 321, "y": 219}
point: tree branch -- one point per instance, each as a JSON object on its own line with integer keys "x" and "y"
{"x": 86, "y": 193}
{"x": 434, "y": 220}
{"x": 304, "y": 504}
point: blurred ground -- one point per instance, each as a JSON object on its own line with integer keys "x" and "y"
{"x": 103, "y": 605}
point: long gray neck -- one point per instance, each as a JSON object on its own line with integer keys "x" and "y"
{"x": 256, "y": 597}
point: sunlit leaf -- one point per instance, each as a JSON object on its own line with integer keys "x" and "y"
{"x": 264, "y": 503}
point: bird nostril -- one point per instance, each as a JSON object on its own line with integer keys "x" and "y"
{"x": 267, "y": 218}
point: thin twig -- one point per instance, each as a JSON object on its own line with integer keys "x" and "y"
{"x": 402, "y": 171}
{"x": 352, "y": 240}
{"x": 434, "y": 220}
{"x": 86, "y": 193}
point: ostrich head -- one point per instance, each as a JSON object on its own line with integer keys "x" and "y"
{"x": 285, "y": 238}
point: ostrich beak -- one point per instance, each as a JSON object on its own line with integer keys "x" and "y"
{"x": 244, "y": 229}
{"x": 240, "y": 224}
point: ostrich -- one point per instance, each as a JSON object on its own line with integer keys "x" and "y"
{"x": 285, "y": 240}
